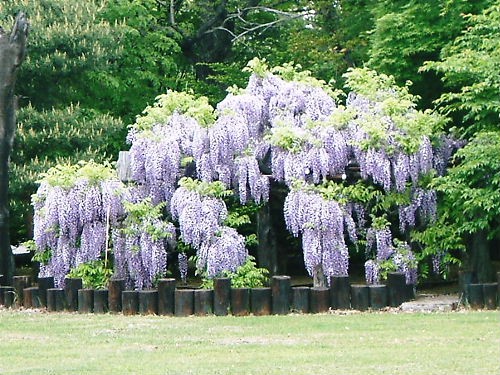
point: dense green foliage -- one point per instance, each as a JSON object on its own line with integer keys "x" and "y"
{"x": 470, "y": 69}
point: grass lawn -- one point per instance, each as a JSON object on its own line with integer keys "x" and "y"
{"x": 354, "y": 343}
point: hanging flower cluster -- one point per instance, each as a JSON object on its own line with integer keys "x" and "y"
{"x": 201, "y": 213}
{"x": 392, "y": 255}
{"x": 140, "y": 243}
{"x": 322, "y": 223}
{"x": 74, "y": 206}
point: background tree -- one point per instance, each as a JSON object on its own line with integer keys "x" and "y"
{"x": 12, "y": 53}
{"x": 408, "y": 33}
{"x": 68, "y": 62}
{"x": 470, "y": 207}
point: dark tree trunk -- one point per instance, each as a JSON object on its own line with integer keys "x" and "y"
{"x": 478, "y": 258}
{"x": 12, "y": 52}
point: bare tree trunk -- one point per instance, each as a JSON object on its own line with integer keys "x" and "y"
{"x": 12, "y": 53}
{"x": 478, "y": 258}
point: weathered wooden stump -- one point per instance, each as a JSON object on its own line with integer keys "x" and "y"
{"x": 240, "y": 301}
{"x": 166, "y": 301}
{"x": 44, "y": 283}
{"x": 320, "y": 299}
{"x": 101, "y": 301}
{"x": 115, "y": 290}
{"x": 85, "y": 301}
{"x": 148, "y": 302}
{"x": 396, "y": 284}
{"x": 340, "y": 293}
{"x": 19, "y": 283}
{"x": 281, "y": 289}
{"x": 3, "y": 290}
{"x": 203, "y": 302}
{"x": 71, "y": 287}
{"x": 31, "y": 298}
{"x": 56, "y": 299}
{"x": 378, "y": 296}
{"x": 498, "y": 288}
{"x": 490, "y": 295}
{"x": 260, "y": 301}
{"x": 184, "y": 302}
{"x": 130, "y": 302}
{"x": 222, "y": 296}
{"x": 476, "y": 297}
{"x": 9, "y": 298}
{"x": 360, "y": 298}
{"x": 465, "y": 278}
{"x": 300, "y": 299}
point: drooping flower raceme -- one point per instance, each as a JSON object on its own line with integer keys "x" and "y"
{"x": 75, "y": 206}
{"x": 201, "y": 214}
{"x": 322, "y": 224}
{"x": 140, "y": 244}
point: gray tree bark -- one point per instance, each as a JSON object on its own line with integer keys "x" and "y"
{"x": 12, "y": 53}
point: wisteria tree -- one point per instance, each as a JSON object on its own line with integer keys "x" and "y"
{"x": 356, "y": 175}
{"x": 287, "y": 126}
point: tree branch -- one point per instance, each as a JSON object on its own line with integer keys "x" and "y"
{"x": 251, "y": 27}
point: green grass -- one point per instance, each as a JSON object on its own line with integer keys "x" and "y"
{"x": 367, "y": 343}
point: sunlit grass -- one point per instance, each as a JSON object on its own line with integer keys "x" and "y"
{"x": 368, "y": 343}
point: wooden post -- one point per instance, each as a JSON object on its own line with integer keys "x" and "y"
{"x": 498, "y": 289}
{"x": 360, "y": 299}
{"x": 72, "y": 285}
{"x": 260, "y": 301}
{"x": 123, "y": 166}
{"x": 44, "y": 283}
{"x": 340, "y": 293}
{"x": 300, "y": 299}
{"x": 31, "y": 297}
{"x": 203, "y": 302}
{"x": 85, "y": 301}
{"x": 222, "y": 296}
{"x": 281, "y": 290}
{"x": 130, "y": 302}
{"x": 464, "y": 280}
{"x": 9, "y": 298}
{"x": 490, "y": 295}
{"x": 101, "y": 301}
{"x": 396, "y": 282}
{"x": 184, "y": 302}
{"x": 240, "y": 301}
{"x": 166, "y": 301}
{"x": 115, "y": 289}
{"x": 20, "y": 283}
{"x": 3, "y": 290}
{"x": 320, "y": 299}
{"x": 476, "y": 298}
{"x": 378, "y": 296}
{"x": 148, "y": 302}
{"x": 55, "y": 299}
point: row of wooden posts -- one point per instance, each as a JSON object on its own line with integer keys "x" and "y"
{"x": 280, "y": 298}
{"x": 168, "y": 299}
{"x": 479, "y": 295}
